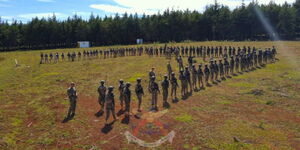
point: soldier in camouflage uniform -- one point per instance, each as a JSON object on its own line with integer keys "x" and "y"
{"x": 151, "y": 74}
{"x": 226, "y": 65}
{"x": 72, "y": 94}
{"x": 139, "y": 91}
{"x": 207, "y": 73}
{"x": 121, "y": 89}
{"x": 127, "y": 98}
{"x": 216, "y": 69}
{"x": 165, "y": 89}
{"x": 221, "y": 68}
{"x": 102, "y": 93}
{"x": 174, "y": 85}
{"x": 211, "y": 68}
{"x": 182, "y": 78}
{"x": 231, "y": 65}
{"x": 110, "y": 104}
{"x": 154, "y": 89}
{"x": 194, "y": 77}
{"x": 169, "y": 70}
{"x": 200, "y": 75}
{"x": 187, "y": 75}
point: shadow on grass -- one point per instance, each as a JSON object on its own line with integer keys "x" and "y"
{"x": 126, "y": 119}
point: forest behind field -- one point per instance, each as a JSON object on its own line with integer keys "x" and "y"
{"x": 217, "y": 22}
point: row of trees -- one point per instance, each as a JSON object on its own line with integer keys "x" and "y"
{"x": 217, "y": 22}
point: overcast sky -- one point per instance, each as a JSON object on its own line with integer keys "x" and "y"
{"x": 24, "y": 10}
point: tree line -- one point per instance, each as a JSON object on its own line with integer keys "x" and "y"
{"x": 217, "y": 22}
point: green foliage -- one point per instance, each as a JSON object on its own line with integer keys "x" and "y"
{"x": 217, "y": 22}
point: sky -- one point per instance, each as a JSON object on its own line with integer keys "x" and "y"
{"x": 25, "y": 10}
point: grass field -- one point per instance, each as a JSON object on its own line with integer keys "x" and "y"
{"x": 259, "y": 110}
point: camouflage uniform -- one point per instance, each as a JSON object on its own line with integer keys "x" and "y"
{"x": 121, "y": 89}
{"x": 165, "y": 88}
{"x": 102, "y": 93}
{"x": 187, "y": 75}
{"x": 110, "y": 103}
{"x": 194, "y": 77}
{"x": 154, "y": 88}
{"x": 139, "y": 91}
{"x": 72, "y": 94}
{"x": 127, "y": 98}
{"x": 200, "y": 75}
{"x": 174, "y": 85}
{"x": 207, "y": 73}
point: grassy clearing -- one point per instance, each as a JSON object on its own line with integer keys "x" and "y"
{"x": 32, "y": 103}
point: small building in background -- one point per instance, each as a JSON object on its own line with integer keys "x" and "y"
{"x": 139, "y": 41}
{"x": 83, "y": 44}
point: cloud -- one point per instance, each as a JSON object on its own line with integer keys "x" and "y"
{"x": 41, "y": 15}
{"x": 153, "y": 6}
{"x": 46, "y": 1}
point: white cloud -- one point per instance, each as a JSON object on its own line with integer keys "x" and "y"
{"x": 41, "y": 15}
{"x": 153, "y": 6}
{"x": 46, "y": 1}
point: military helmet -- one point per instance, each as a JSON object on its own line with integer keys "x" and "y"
{"x": 102, "y": 81}
{"x": 72, "y": 83}
{"x": 165, "y": 76}
{"x": 121, "y": 81}
{"x": 128, "y": 84}
{"x": 110, "y": 88}
{"x": 172, "y": 73}
{"x": 138, "y": 79}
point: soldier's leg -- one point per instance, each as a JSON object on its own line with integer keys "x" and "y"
{"x": 139, "y": 101}
{"x": 152, "y": 100}
{"x": 155, "y": 100}
{"x": 74, "y": 107}
{"x": 107, "y": 114}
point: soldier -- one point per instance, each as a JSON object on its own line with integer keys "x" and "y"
{"x": 221, "y": 68}
{"x": 194, "y": 77}
{"x": 110, "y": 104}
{"x": 165, "y": 88}
{"x": 127, "y": 98}
{"x": 237, "y": 62}
{"x": 200, "y": 75}
{"x": 46, "y": 58}
{"x": 121, "y": 89}
{"x": 274, "y": 52}
{"x": 190, "y": 61}
{"x": 62, "y": 56}
{"x": 154, "y": 89}
{"x": 139, "y": 91}
{"x": 211, "y": 68}
{"x": 102, "y": 93}
{"x": 226, "y": 64}
{"x": 183, "y": 80}
{"x": 187, "y": 75}
{"x": 151, "y": 74}
{"x": 216, "y": 69}
{"x": 42, "y": 58}
{"x": 174, "y": 85}
{"x": 231, "y": 65}
{"x": 180, "y": 63}
{"x": 51, "y": 57}
{"x": 207, "y": 73}
{"x": 73, "y": 100}
{"x": 169, "y": 70}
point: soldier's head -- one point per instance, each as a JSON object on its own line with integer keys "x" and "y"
{"x": 110, "y": 88}
{"x": 153, "y": 78}
{"x": 193, "y": 66}
{"x": 72, "y": 84}
{"x": 165, "y": 76}
{"x": 206, "y": 66}
{"x": 220, "y": 60}
{"x": 200, "y": 65}
{"x": 152, "y": 69}
{"x": 181, "y": 71}
{"x": 173, "y": 74}
{"x": 102, "y": 82}
{"x": 186, "y": 68}
{"x": 121, "y": 81}
{"x": 215, "y": 62}
{"x": 138, "y": 80}
{"x": 128, "y": 84}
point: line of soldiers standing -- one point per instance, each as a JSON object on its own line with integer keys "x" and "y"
{"x": 189, "y": 76}
{"x": 168, "y": 51}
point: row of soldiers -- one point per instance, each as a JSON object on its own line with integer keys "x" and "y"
{"x": 168, "y": 51}
{"x": 190, "y": 78}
